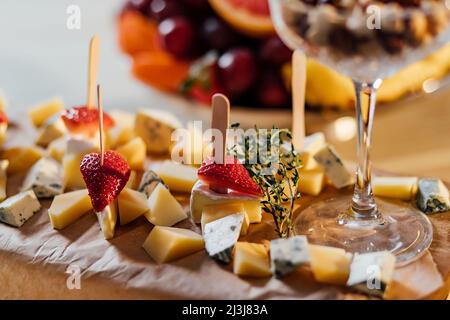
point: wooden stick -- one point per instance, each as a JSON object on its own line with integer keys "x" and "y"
{"x": 298, "y": 98}
{"x": 220, "y": 120}
{"x": 92, "y": 69}
{"x": 100, "y": 123}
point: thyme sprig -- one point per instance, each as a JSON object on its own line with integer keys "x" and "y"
{"x": 277, "y": 176}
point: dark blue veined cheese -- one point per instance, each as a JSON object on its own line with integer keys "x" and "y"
{"x": 432, "y": 196}
{"x": 286, "y": 255}
{"x": 149, "y": 182}
{"x": 371, "y": 273}
{"x": 16, "y": 210}
{"x": 45, "y": 178}
{"x": 221, "y": 235}
{"x": 334, "y": 168}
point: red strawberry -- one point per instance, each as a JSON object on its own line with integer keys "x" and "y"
{"x": 3, "y": 117}
{"x": 81, "y": 119}
{"x": 104, "y": 182}
{"x": 232, "y": 175}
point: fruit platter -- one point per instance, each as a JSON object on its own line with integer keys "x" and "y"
{"x": 198, "y": 48}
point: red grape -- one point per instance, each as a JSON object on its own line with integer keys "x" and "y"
{"x": 177, "y": 35}
{"x": 163, "y": 9}
{"x": 274, "y": 51}
{"x": 196, "y": 4}
{"x": 237, "y": 70}
{"x": 271, "y": 91}
{"x": 217, "y": 34}
{"x": 137, "y": 5}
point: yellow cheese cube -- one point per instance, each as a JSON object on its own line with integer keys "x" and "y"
{"x": 41, "y": 113}
{"x": 403, "y": 188}
{"x": 177, "y": 177}
{"x": 3, "y": 168}
{"x": 123, "y": 131}
{"x": 21, "y": 158}
{"x": 3, "y": 130}
{"x": 202, "y": 196}
{"x": 190, "y": 147}
{"x": 134, "y": 152}
{"x": 131, "y": 183}
{"x": 166, "y": 244}
{"x": 69, "y": 207}
{"x": 311, "y": 182}
{"x": 251, "y": 260}
{"x": 50, "y": 132}
{"x": 156, "y": 126}
{"x": 73, "y": 179}
{"x": 57, "y": 148}
{"x": 311, "y": 145}
{"x": 329, "y": 264}
{"x": 217, "y": 211}
{"x": 164, "y": 209}
{"x": 108, "y": 219}
{"x": 132, "y": 204}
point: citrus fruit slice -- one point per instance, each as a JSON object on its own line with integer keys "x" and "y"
{"x": 248, "y": 16}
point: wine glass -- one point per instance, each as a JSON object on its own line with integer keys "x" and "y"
{"x": 366, "y": 40}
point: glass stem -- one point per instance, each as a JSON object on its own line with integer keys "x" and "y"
{"x": 363, "y": 204}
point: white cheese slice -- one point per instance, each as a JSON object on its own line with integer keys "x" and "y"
{"x": 45, "y": 178}
{"x": 107, "y": 219}
{"x": 286, "y": 255}
{"x": 372, "y": 272}
{"x": 334, "y": 168}
{"x": 221, "y": 235}
{"x": 16, "y": 210}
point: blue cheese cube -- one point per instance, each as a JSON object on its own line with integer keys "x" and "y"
{"x": 221, "y": 235}
{"x": 45, "y": 178}
{"x": 432, "y": 196}
{"x": 334, "y": 168}
{"x": 18, "y": 209}
{"x": 149, "y": 182}
{"x": 371, "y": 273}
{"x": 286, "y": 255}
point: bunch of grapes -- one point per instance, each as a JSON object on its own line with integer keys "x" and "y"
{"x": 244, "y": 68}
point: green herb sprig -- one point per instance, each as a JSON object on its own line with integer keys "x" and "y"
{"x": 280, "y": 185}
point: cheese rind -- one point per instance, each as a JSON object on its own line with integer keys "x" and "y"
{"x": 69, "y": 207}
{"x": 221, "y": 235}
{"x": 107, "y": 219}
{"x": 432, "y": 196}
{"x": 178, "y": 177}
{"x": 333, "y": 166}
{"x": 16, "y": 210}
{"x": 44, "y": 178}
{"x": 213, "y": 212}
{"x": 329, "y": 264}
{"x": 311, "y": 182}
{"x": 41, "y": 113}
{"x": 3, "y": 178}
{"x": 21, "y": 158}
{"x": 132, "y": 205}
{"x": 371, "y": 273}
{"x": 149, "y": 181}
{"x": 134, "y": 152}
{"x": 202, "y": 196}
{"x": 403, "y": 188}
{"x": 164, "y": 209}
{"x": 166, "y": 244}
{"x": 156, "y": 125}
{"x": 251, "y": 260}
{"x": 286, "y": 255}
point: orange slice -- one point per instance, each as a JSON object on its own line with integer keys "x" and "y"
{"x": 248, "y": 16}
{"x": 136, "y": 33}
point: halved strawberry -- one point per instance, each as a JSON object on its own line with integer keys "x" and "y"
{"x": 231, "y": 175}
{"x": 104, "y": 182}
{"x": 84, "y": 120}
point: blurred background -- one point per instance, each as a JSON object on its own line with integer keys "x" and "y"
{"x": 41, "y": 57}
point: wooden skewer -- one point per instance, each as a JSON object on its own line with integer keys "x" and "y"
{"x": 298, "y": 98}
{"x": 220, "y": 120}
{"x": 92, "y": 69}
{"x": 100, "y": 123}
